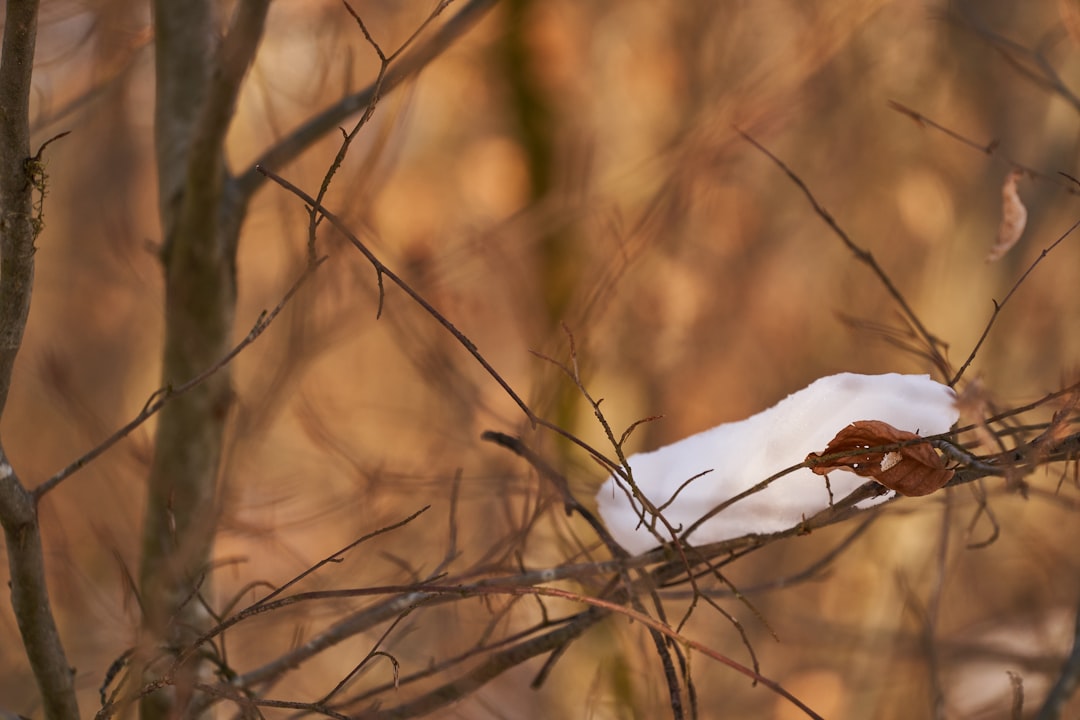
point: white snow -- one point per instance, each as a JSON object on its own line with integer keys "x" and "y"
{"x": 738, "y": 455}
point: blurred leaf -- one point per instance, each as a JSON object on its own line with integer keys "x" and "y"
{"x": 1013, "y": 218}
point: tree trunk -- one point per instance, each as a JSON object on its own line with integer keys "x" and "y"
{"x": 21, "y": 177}
{"x": 198, "y": 76}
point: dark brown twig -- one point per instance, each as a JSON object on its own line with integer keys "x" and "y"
{"x": 560, "y": 483}
{"x": 160, "y": 397}
{"x": 383, "y": 271}
{"x": 600, "y": 605}
{"x": 999, "y": 305}
{"x": 862, "y": 255}
{"x": 292, "y": 145}
{"x": 1021, "y": 58}
{"x": 337, "y": 556}
{"x": 369, "y": 112}
{"x": 991, "y": 149}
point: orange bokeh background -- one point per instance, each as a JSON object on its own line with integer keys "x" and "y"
{"x": 695, "y": 279}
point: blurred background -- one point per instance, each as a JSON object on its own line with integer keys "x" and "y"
{"x": 570, "y": 168}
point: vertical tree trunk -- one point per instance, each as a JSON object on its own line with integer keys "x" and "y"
{"x": 180, "y": 514}
{"x": 21, "y": 176}
{"x": 198, "y": 76}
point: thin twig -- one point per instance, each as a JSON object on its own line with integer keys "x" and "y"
{"x": 999, "y": 305}
{"x": 923, "y": 121}
{"x": 336, "y": 557}
{"x": 292, "y": 145}
{"x": 607, "y": 606}
{"x": 991, "y": 149}
{"x": 862, "y": 255}
{"x": 382, "y": 270}
{"x": 161, "y": 396}
{"x": 810, "y": 572}
{"x": 570, "y": 503}
{"x": 1044, "y": 76}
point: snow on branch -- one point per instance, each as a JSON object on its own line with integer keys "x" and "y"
{"x": 746, "y": 461}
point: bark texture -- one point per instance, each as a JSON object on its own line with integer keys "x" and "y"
{"x": 21, "y": 176}
{"x": 198, "y": 76}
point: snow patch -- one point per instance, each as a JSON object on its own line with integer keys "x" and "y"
{"x": 731, "y": 458}
{"x": 890, "y": 460}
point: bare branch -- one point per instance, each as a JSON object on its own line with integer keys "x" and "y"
{"x": 991, "y": 149}
{"x": 1032, "y": 64}
{"x": 999, "y": 305}
{"x": 408, "y": 597}
{"x": 562, "y": 485}
{"x": 406, "y": 67}
{"x": 383, "y": 270}
{"x": 336, "y": 557}
{"x": 235, "y": 55}
{"x": 163, "y": 395}
{"x": 933, "y": 344}
{"x": 30, "y": 597}
{"x": 499, "y": 663}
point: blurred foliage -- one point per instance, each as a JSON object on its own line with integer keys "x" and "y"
{"x": 703, "y": 289}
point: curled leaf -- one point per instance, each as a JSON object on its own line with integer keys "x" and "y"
{"x": 1013, "y": 217}
{"x": 910, "y": 470}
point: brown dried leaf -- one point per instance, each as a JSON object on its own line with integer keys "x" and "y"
{"x": 911, "y": 470}
{"x": 1013, "y": 217}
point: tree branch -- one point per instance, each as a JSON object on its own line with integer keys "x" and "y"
{"x": 18, "y": 174}
{"x": 205, "y": 163}
{"x": 198, "y": 79}
{"x": 30, "y": 597}
{"x": 20, "y": 223}
{"x": 382, "y": 270}
{"x": 291, "y": 146}
{"x": 163, "y": 395}
{"x": 1043, "y": 74}
{"x": 933, "y": 344}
